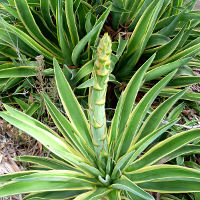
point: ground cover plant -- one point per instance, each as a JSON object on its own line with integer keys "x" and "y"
{"x": 93, "y": 161}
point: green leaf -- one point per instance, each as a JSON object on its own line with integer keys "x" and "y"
{"x": 135, "y": 120}
{"x": 77, "y": 4}
{"x": 172, "y": 186}
{"x": 94, "y": 195}
{"x": 192, "y": 165}
{"x": 71, "y": 105}
{"x": 120, "y": 50}
{"x": 24, "y": 71}
{"x": 11, "y": 10}
{"x": 114, "y": 195}
{"x": 139, "y": 38}
{"x": 31, "y": 26}
{"x": 71, "y": 22}
{"x": 166, "y": 50}
{"x": 137, "y": 10}
{"x": 23, "y": 117}
{"x": 11, "y": 83}
{"x": 90, "y": 169}
{"x": 167, "y": 92}
{"x": 122, "y": 45}
{"x": 12, "y": 40}
{"x": 8, "y": 51}
{"x": 165, "y": 69}
{"x": 130, "y": 93}
{"x": 13, "y": 188}
{"x": 182, "y": 54}
{"x": 176, "y": 112}
{"x": 55, "y": 175}
{"x": 80, "y": 46}
{"x": 45, "y": 10}
{"x": 46, "y": 162}
{"x": 155, "y": 118}
{"x": 7, "y": 66}
{"x": 7, "y": 177}
{"x": 100, "y": 21}
{"x": 183, "y": 81}
{"x": 127, "y": 185}
{"x": 83, "y": 71}
{"x": 68, "y": 130}
{"x": 164, "y": 173}
{"x": 88, "y": 24}
{"x": 164, "y": 148}
{"x": 185, "y": 70}
{"x": 29, "y": 41}
{"x": 86, "y": 84}
{"x": 192, "y": 43}
{"x": 114, "y": 129}
{"x": 121, "y": 163}
{"x": 32, "y": 109}
{"x": 62, "y": 38}
{"x": 185, "y": 150}
{"x": 140, "y": 146}
{"x": 22, "y": 104}
{"x": 50, "y": 141}
{"x": 53, "y": 5}
{"x": 171, "y": 25}
{"x": 157, "y": 40}
{"x": 54, "y": 195}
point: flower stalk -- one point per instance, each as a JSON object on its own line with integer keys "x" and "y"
{"x": 98, "y": 94}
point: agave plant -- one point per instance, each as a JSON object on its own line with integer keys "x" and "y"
{"x": 166, "y": 27}
{"x": 93, "y": 161}
{"x": 48, "y": 28}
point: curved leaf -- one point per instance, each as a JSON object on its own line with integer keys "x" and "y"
{"x": 9, "y": 177}
{"x": 69, "y": 132}
{"x": 172, "y": 186}
{"x": 80, "y": 46}
{"x": 166, "y": 50}
{"x": 50, "y": 141}
{"x": 83, "y": 71}
{"x": 94, "y": 195}
{"x": 164, "y": 148}
{"x": 164, "y": 173}
{"x": 130, "y": 93}
{"x": 185, "y": 150}
{"x": 184, "y": 81}
{"x": 130, "y": 133}
{"x": 54, "y": 195}
{"x": 13, "y": 188}
{"x": 23, "y": 71}
{"x": 46, "y": 162}
{"x": 31, "y": 26}
{"x": 45, "y": 10}
{"x": 127, "y": 185}
{"x": 165, "y": 69}
{"x": 155, "y": 118}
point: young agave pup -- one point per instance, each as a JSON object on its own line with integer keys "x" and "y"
{"x": 92, "y": 161}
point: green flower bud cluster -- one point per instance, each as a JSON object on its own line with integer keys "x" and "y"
{"x": 98, "y": 93}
